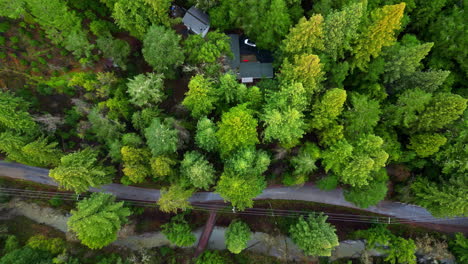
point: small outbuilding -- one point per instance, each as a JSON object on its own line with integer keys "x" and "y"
{"x": 248, "y": 62}
{"x": 196, "y": 21}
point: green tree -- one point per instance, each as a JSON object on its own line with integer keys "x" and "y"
{"x": 363, "y": 116}
{"x": 116, "y": 49}
{"x": 247, "y": 162}
{"x": 442, "y": 200}
{"x": 341, "y": 29}
{"x": 208, "y": 49}
{"x": 11, "y": 244}
{"x": 314, "y": 235}
{"x": 380, "y": 33}
{"x": 426, "y": 145}
{"x": 368, "y": 195}
{"x": 97, "y": 220}
{"x": 403, "y": 59}
{"x": 161, "y": 138}
{"x": 161, "y": 50}
{"x": 14, "y": 115}
{"x": 305, "y": 69}
{"x": 428, "y": 81}
{"x": 162, "y": 166}
{"x": 240, "y": 190}
{"x": 460, "y": 247}
{"x": 273, "y": 27}
{"x": 178, "y": 231}
{"x": 205, "y": 136}
{"x": 402, "y": 251}
{"x": 325, "y": 111}
{"x": 410, "y": 104}
{"x": 237, "y": 129}
{"x": 285, "y": 126}
{"x": 237, "y": 235}
{"x": 136, "y": 17}
{"x": 146, "y": 89}
{"x": 305, "y": 37}
{"x": 80, "y": 170}
{"x": 52, "y": 245}
{"x": 443, "y": 110}
{"x": 105, "y": 129}
{"x": 304, "y": 162}
{"x": 136, "y": 163}
{"x": 210, "y": 257}
{"x": 197, "y": 169}
{"x": 201, "y": 96}
{"x": 39, "y": 153}
{"x": 26, "y": 255}
{"x": 174, "y": 198}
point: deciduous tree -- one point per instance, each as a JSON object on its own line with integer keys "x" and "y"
{"x": 208, "y": 49}
{"x": 285, "y": 126}
{"x": 136, "y": 163}
{"x": 205, "y": 136}
{"x": 174, "y": 198}
{"x": 240, "y": 190}
{"x": 97, "y": 220}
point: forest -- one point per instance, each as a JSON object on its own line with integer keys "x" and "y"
{"x": 368, "y": 96}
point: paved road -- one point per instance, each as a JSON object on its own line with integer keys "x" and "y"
{"x": 308, "y": 192}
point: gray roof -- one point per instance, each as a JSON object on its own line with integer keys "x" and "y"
{"x": 197, "y": 21}
{"x": 255, "y": 70}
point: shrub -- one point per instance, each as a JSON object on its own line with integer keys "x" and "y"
{"x": 11, "y": 244}
{"x": 178, "y": 231}
{"x": 52, "y": 245}
{"x": 56, "y": 201}
{"x": 14, "y": 39}
{"x": 237, "y": 235}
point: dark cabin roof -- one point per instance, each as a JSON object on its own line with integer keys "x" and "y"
{"x": 197, "y": 21}
{"x": 261, "y": 69}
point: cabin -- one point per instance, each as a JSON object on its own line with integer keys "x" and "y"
{"x": 196, "y": 21}
{"x": 249, "y": 62}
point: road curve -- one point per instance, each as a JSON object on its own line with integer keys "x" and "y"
{"x": 307, "y": 192}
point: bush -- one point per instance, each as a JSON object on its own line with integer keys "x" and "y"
{"x": 14, "y": 39}
{"x": 2, "y": 40}
{"x": 56, "y": 201}
{"x": 237, "y": 235}
{"x": 41, "y": 60}
{"x": 210, "y": 257}
{"x": 4, "y": 27}
{"x": 11, "y": 244}
{"x": 178, "y": 231}
{"x": 52, "y": 245}
{"x": 2, "y": 55}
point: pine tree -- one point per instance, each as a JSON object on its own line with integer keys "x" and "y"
{"x": 197, "y": 169}
{"x": 341, "y": 28}
{"x": 314, "y": 235}
{"x": 443, "y": 110}
{"x": 237, "y": 235}
{"x": 201, "y": 96}
{"x": 305, "y": 69}
{"x": 136, "y": 163}
{"x": 328, "y": 108}
{"x": 97, "y": 220}
{"x": 80, "y": 170}
{"x": 380, "y": 33}
{"x": 14, "y": 115}
{"x": 426, "y": 144}
{"x": 305, "y": 37}
{"x": 362, "y": 117}
{"x": 174, "y": 198}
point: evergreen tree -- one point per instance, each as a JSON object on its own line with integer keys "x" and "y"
{"x": 444, "y": 200}
{"x": 162, "y": 166}
{"x": 240, "y": 190}
{"x": 314, "y": 235}
{"x": 237, "y": 235}
{"x": 341, "y": 28}
{"x": 304, "y": 162}
{"x": 369, "y": 195}
{"x": 410, "y": 104}
{"x": 380, "y": 33}
{"x": 80, "y": 170}
{"x": 198, "y": 170}
{"x": 136, "y": 163}
{"x": 426, "y": 144}
{"x": 328, "y": 108}
{"x": 305, "y": 37}
{"x": 174, "y": 198}
{"x": 201, "y": 96}
{"x": 443, "y": 110}
{"x": 208, "y": 49}
{"x": 161, "y": 50}
{"x": 237, "y": 129}
{"x": 285, "y": 126}
{"x": 205, "y": 136}
{"x": 146, "y": 90}
{"x": 161, "y": 138}
{"x": 14, "y": 115}
{"x": 305, "y": 69}
{"x": 428, "y": 81}
{"x": 363, "y": 117}
{"x": 247, "y": 162}
{"x": 97, "y": 220}
{"x": 178, "y": 231}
